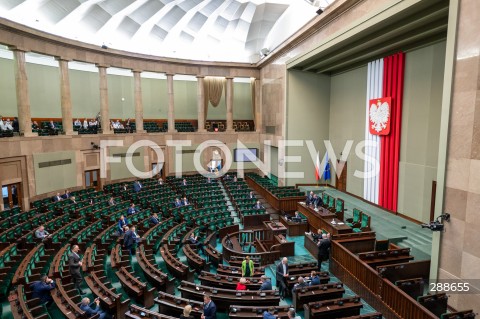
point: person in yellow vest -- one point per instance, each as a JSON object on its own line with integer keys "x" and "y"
{"x": 247, "y": 267}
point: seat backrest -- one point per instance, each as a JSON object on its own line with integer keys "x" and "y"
{"x": 356, "y": 215}
{"x": 365, "y": 220}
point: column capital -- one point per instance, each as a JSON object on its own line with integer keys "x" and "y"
{"x": 60, "y": 58}
{"x": 100, "y": 65}
{"x": 229, "y": 77}
{"x": 17, "y": 48}
{"x": 200, "y": 76}
{"x": 137, "y": 71}
{"x": 169, "y": 74}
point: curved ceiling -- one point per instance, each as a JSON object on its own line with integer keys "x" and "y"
{"x": 211, "y": 30}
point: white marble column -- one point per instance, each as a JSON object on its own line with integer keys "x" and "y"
{"x": 201, "y": 103}
{"x": 23, "y": 99}
{"x": 171, "y": 103}
{"x": 66, "y": 100}
{"x": 102, "y": 71}
{"x": 229, "y": 95}
{"x": 138, "y": 101}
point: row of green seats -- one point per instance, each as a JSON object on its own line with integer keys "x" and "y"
{"x": 9, "y": 260}
{"x": 38, "y": 264}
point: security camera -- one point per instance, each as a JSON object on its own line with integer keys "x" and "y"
{"x": 437, "y": 225}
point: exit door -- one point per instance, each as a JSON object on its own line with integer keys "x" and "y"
{"x": 11, "y": 195}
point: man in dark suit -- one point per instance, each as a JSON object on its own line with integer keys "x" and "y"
{"x": 41, "y": 289}
{"x": 323, "y": 250}
{"x": 137, "y": 186}
{"x": 130, "y": 240}
{"x": 185, "y": 201}
{"x": 258, "y": 205}
{"x": 251, "y": 195}
{"x": 132, "y": 209}
{"x": 266, "y": 283}
{"x": 194, "y": 241}
{"x": 281, "y": 277}
{"x": 122, "y": 223}
{"x": 178, "y": 203}
{"x": 154, "y": 219}
{"x": 184, "y": 182}
{"x": 317, "y": 201}
{"x": 209, "y": 308}
{"x": 57, "y": 198}
{"x": 309, "y": 198}
{"x": 74, "y": 265}
{"x": 66, "y": 195}
{"x": 314, "y": 279}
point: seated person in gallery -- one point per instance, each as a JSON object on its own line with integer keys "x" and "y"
{"x": 35, "y": 126}
{"x": 111, "y": 202}
{"x": 41, "y": 233}
{"x": 185, "y": 202}
{"x": 314, "y": 278}
{"x": 178, "y": 203}
{"x": 154, "y": 219}
{"x": 132, "y": 209}
{"x": 57, "y": 198}
{"x": 77, "y": 123}
{"x": 309, "y": 199}
{"x": 122, "y": 224}
{"x": 266, "y": 283}
{"x": 300, "y": 284}
{"x": 242, "y": 284}
{"x": 52, "y": 127}
{"x": 194, "y": 241}
{"x": 317, "y": 201}
{"x": 258, "y": 205}
{"x": 66, "y": 194}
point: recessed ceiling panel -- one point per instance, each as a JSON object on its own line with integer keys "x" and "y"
{"x": 238, "y": 29}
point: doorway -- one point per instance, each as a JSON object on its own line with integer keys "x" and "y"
{"x": 92, "y": 179}
{"x": 341, "y": 182}
{"x": 11, "y": 195}
{"x": 158, "y": 170}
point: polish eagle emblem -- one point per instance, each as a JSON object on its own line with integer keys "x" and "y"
{"x": 379, "y": 114}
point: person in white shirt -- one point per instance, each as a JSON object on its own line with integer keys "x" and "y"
{"x": 2, "y": 125}
{"x": 85, "y": 124}
{"x": 41, "y": 233}
{"x": 113, "y": 125}
{"x": 77, "y": 123}
{"x": 8, "y": 125}
{"x": 119, "y": 125}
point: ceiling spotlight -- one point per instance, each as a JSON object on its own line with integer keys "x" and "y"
{"x": 104, "y": 46}
{"x": 320, "y": 11}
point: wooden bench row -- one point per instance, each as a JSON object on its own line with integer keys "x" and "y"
{"x": 134, "y": 287}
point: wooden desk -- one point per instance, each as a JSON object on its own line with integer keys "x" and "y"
{"x": 333, "y": 309}
{"x": 323, "y": 219}
{"x": 286, "y": 204}
{"x": 223, "y": 298}
{"x": 320, "y": 211}
{"x": 276, "y": 228}
{"x": 294, "y": 228}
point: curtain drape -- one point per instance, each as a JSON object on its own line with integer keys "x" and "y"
{"x": 213, "y": 91}
{"x": 374, "y": 90}
{"x": 394, "y": 67}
